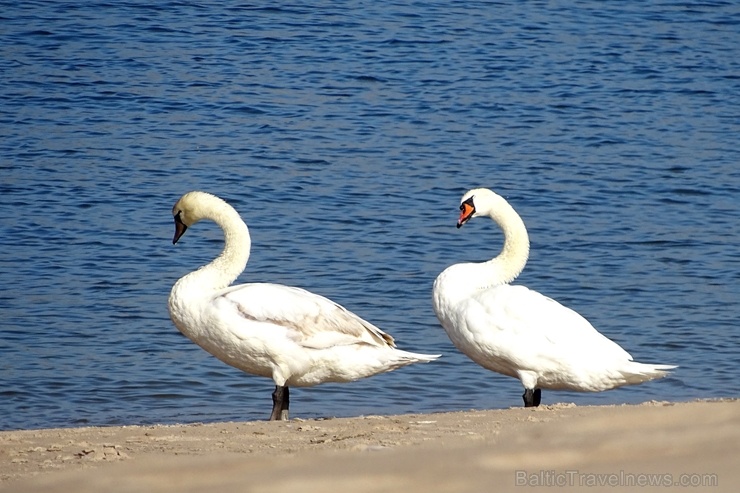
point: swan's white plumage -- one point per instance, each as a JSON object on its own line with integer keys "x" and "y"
{"x": 291, "y": 335}
{"x": 518, "y": 332}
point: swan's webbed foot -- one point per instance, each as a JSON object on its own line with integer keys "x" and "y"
{"x": 532, "y": 397}
{"x": 280, "y": 403}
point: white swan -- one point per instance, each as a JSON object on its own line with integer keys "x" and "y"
{"x": 295, "y": 337}
{"x": 519, "y": 332}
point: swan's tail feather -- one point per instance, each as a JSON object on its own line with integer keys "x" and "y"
{"x": 400, "y": 358}
{"x": 643, "y": 372}
{"x": 417, "y": 357}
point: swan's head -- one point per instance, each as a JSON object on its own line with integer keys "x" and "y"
{"x": 190, "y": 209}
{"x": 475, "y": 203}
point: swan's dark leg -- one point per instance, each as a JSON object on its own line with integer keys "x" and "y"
{"x": 532, "y": 397}
{"x": 280, "y": 403}
{"x": 286, "y": 404}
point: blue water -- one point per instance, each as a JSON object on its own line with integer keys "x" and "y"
{"x": 345, "y": 135}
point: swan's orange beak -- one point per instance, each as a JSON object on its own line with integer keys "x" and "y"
{"x": 180, "y": 228}
{"x": 466, "y": 212}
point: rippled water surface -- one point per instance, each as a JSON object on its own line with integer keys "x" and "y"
{"x": 345, "y": 136}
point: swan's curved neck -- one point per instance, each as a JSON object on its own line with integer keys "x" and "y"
{"x": 508, "y": 264}
{"x": 225, "y": 268}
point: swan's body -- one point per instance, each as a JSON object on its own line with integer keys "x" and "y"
{"x": 518, "y": 332}
{"x": 295, "y": 337}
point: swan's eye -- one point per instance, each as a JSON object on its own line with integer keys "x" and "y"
{"x": 467, "y": 205}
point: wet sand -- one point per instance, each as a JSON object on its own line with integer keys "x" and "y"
{"x": 656, "y": 446}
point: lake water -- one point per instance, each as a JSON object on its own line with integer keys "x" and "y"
{"x": 345, "y": 135}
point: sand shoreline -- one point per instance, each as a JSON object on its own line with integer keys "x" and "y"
{"x": 561, "y": 446}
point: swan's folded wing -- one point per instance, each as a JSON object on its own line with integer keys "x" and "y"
{"x": 309, "y": 319}
{"x": 543, "y": 325}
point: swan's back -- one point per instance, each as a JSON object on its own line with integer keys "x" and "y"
{"x": 308, "y": 319}
{"x": 544, "y": 322}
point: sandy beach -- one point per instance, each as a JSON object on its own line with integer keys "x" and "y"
{"x": 655, "y": 446}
